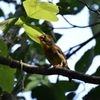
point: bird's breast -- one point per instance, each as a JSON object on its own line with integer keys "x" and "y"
{"x": 52, "y": 55}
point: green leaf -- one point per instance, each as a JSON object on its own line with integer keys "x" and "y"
{"x": 34, "y": 80}
{"x": 20, "y": 12}
{"x": 63, "y": 4}
{"x": 97, "y": 73}
{"x": 43, "y": 93}
{"x": 3, "y": 49}
{"x": 94, "y": 94}
{"x": 58, "y": 36}
{"x": 32, "y": 31}
{"x": 20, "y": 21}
{"x": 84, "y": 63}
{"x": 21, "y": 52}
{"x": 97, "y": 46}
{"x": 65, "y": 86}
{"x": 71, "y": 6}
{"x": 94, "y": 19}
{"x": 98, "y": 2}
{"x": 6, "y": 78}
{"x": 1, "y": 12}
{"x": 41, "y": 10}
{"x": 5, "y": 25}
{"x": 70, "y": 96}
{"x": 60, "y": 95}
{"x": 62, "y": 87}
{"x": 95, "y": 29}
{"x": 31, "y": 85}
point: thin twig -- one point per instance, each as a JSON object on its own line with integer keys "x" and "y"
{"x": 76, "y": 26}
{"x": 83, "y": 44}
{"x": 89, "y": 7}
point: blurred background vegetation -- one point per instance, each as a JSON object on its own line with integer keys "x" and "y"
{"x": 31, "y": 52}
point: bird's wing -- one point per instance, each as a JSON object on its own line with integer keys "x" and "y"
{"x": 59, "y": 50}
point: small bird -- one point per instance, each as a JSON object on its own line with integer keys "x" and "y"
{"x": 52, "y": 52}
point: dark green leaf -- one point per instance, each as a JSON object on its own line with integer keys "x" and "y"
{"x": 97, "y": 73}
{"x": 34, "y": 80}
{"x": 1, "y": 13}
{"x": 43, "y": 93}
{"x": 6, "y": 78}
{"x": 97, "y": 2}
{"x": 97, "y": 46}
{"x": 62, "y": 87}
{"x": 58, "y": 36}
{"x": 94, "y": 94}
{"x": 65, "y": 86}
{"x": 21, "y": 52}
{"x": 20, "y": 12}
{"x": 7, "y": 24}
{"x": 95, "y": 29}
{"x": 3, "y": 49}
{"x": 71, "y": 6}
{"x": 70, "y": 96}
{"x": 59, "y": 93}
{"x": 84, "y": 63}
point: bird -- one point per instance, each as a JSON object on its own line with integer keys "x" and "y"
{"x": 53, "y": 53}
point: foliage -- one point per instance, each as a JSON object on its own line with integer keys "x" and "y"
{"x": 39, "y": 8}
{"x": 27, "y": 16}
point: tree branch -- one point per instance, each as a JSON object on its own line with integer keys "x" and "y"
{"x": 81, "y": 45}
{"x": 49, "y": 71}
{"x": 76, "y": 26}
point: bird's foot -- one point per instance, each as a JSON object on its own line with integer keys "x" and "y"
{"x": 59, "y": 65}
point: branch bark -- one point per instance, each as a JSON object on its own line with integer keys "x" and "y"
{"x": 49, "y": 71}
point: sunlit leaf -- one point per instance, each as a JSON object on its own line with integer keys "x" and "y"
{"x": 32, "y": 31}
{"x": 41, "y": 10}
{"x": 20, "y": 21}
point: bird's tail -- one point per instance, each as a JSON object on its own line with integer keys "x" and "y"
{"x": 66, "y": 65}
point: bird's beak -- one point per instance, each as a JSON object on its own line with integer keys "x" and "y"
{"x": 39, "y": 36}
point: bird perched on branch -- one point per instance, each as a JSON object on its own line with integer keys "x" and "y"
{"x": 52, "y": 52}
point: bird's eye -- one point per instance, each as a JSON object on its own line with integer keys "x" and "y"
{"x": 44, "y": 36}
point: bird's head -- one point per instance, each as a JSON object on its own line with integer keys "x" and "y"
{"x": 46, "y": 39}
